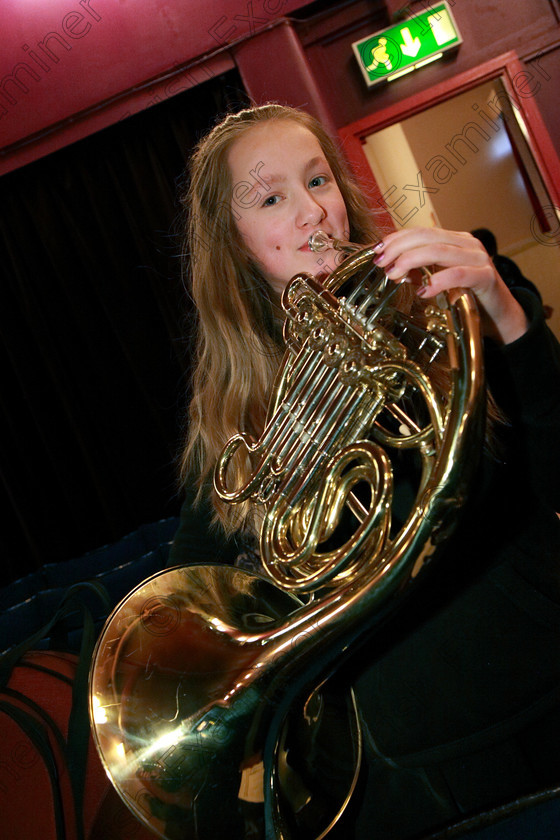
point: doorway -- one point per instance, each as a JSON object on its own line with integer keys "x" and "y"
{"x": 469, "y": 161}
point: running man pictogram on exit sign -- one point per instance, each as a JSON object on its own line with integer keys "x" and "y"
{"x": 407, "y": 46}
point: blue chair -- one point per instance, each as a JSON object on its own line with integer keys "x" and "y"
{"x": 28, "y": 604}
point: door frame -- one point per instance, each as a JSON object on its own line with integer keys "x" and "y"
{"x": 510, "y": 70}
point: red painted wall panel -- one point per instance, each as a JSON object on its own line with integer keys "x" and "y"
{"x": 291, "y": 80}
{"x": 71, "y": 67}
{"x": 63, "y": 57}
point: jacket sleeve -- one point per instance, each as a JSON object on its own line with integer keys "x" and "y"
{"x": 524, "y": 378}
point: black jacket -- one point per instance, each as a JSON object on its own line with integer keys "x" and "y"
{"x": 459, "y": 691}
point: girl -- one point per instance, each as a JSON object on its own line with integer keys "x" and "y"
{"x": 458, "y": 698}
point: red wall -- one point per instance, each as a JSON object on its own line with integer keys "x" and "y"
{"x": 97, "y": 61}
{"x": 83, "y": 64}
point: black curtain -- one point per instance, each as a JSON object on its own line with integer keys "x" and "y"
{"x": 93, "y": 332}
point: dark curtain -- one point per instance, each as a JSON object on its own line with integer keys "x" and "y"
{"x": 93, "y": 340}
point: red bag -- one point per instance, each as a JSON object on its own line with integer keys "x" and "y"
{"x": 37, "y": 795}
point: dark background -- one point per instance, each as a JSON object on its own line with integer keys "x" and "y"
{"x": 94, "y": 332}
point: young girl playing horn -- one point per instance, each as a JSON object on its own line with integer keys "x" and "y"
{"x": 459, "y": 698}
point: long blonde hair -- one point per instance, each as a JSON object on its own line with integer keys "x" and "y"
{"x": 239, "y": 345}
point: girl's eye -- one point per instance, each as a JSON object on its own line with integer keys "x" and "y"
{"x": 270, "y": 200}
{"x": 318, "y": 181}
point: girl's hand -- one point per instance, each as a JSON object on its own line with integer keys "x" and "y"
{"x": 457, "y": 260}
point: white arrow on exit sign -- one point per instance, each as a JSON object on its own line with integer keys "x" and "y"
{"x": 411, "y": 45}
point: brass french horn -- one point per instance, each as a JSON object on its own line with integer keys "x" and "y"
{"x": 209, "y": 694}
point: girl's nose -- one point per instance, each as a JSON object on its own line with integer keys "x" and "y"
{"x": 309, "y": 211}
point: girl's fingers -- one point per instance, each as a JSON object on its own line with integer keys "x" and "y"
{"x": 467, "y": 263}
{"x": 406, "y": 239}
{"x": 418, "y": 247}
{"x": 470, "y": 277}
{"x": 458, "y": 260}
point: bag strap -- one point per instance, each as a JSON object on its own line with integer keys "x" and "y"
{"x": 37, "y": 734}
{"x": 78, "y": 724}
{"x": 71, "y": 599}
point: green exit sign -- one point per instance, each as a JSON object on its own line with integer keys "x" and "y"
{"x": 409, "y": 45}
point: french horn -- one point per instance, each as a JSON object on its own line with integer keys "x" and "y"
{"x": 210, "y": 699}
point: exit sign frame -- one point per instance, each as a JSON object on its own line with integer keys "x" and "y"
{"x": 408, "y": 45}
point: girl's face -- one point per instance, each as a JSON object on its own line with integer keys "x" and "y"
{"x": 283, "y": 191}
